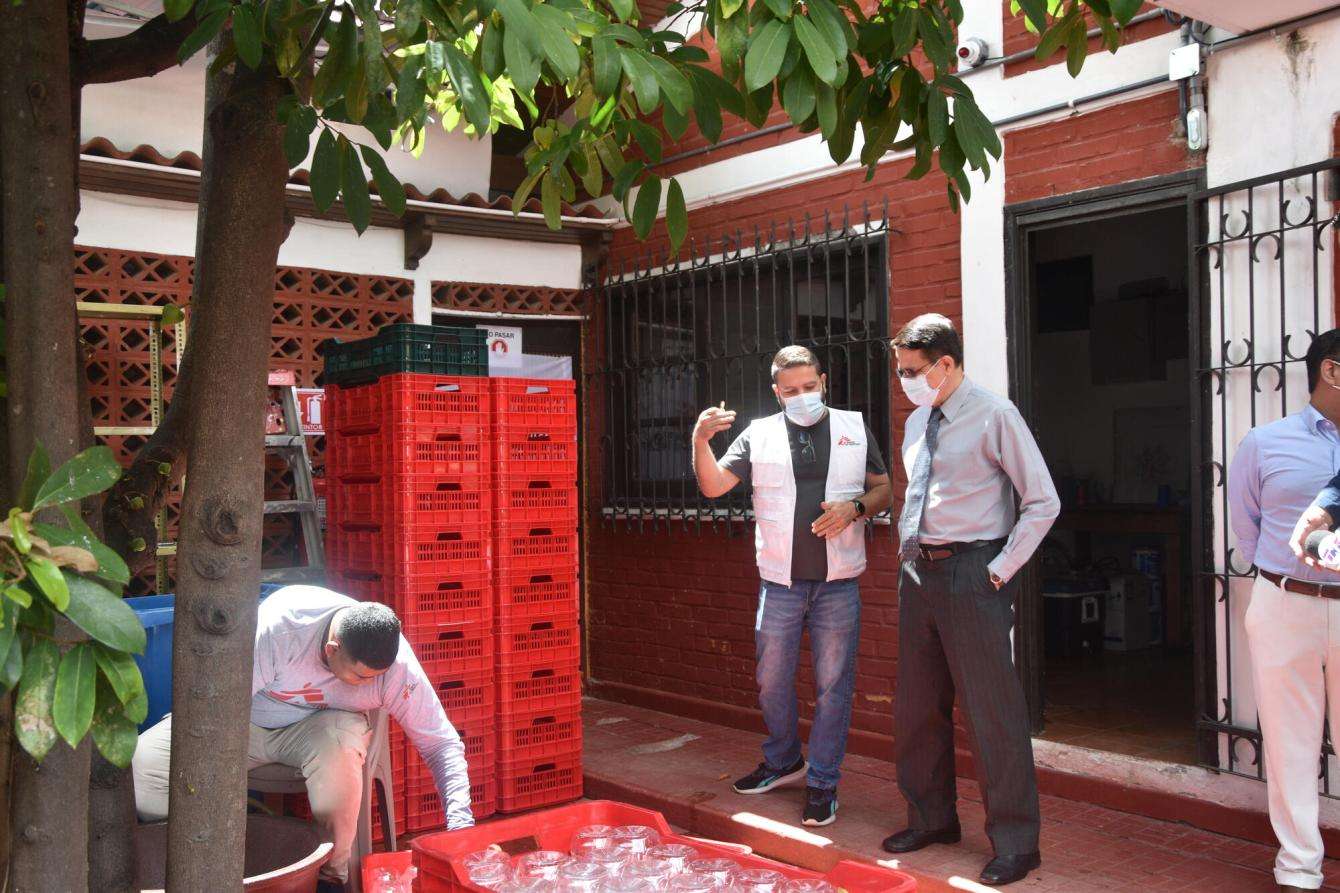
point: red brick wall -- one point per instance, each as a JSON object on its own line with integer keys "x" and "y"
{"x": 672, "y": 610}
{"x": 1017, "y": 38}
{"x": 1115, "y": 144}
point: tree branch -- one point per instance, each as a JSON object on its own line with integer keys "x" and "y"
{"x": 143, "y": 53}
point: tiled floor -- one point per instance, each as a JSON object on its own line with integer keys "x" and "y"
{"x": 684, "y": 767}
{"x": 1139, "y": 703}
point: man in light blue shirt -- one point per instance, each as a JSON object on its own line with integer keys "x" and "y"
{"x": 1274, "y": 477}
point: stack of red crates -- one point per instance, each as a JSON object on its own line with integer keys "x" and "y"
{"x": 535, "y": 557}
{"x": 409, "y": 506}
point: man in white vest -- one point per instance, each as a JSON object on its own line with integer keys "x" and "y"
{"x": 817, "y": 476}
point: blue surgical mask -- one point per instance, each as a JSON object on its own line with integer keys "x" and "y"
{"x": 804, "y": 409}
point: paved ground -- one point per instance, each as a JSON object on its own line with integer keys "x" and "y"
{"x": 684, "y": 768}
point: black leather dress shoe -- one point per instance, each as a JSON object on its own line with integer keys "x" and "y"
{"x": 1008, "y": 869}
{"x": 912, "y": 839}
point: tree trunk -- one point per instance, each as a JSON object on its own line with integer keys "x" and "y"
{"x": 49, "y": 804}
{"x": 241, "y": 226}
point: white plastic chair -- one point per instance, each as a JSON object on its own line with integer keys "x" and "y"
{"x": 276, "y": 778}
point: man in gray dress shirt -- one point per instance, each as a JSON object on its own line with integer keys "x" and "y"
{"x": 968, "y": 455}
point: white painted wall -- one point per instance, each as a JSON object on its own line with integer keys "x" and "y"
{"x": 140, "y": 224}
{"x": 167, "y": 112}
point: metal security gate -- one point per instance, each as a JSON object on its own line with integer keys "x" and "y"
{"x": 1262, "y": 255}
{"x": 674, "y": 339}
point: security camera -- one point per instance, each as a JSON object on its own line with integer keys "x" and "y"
{"x": 972, "y": 52}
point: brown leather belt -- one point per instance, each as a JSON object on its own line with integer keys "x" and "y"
{"x": 941, "y": 551}
{"x": 1302, "y": 587}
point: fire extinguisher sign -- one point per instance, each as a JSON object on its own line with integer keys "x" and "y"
{"x": 504, "y": 347}
{"x": 311, "y": 409}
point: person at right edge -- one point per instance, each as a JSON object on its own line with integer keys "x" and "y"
{"x": 967, "y": 453}
{"x": 1275, "y": 476}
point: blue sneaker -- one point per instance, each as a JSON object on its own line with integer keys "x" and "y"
{"x": 820, "y": 806}
{"x": 763, "y": 779}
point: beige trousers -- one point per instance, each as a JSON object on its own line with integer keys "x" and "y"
{"x": 1295, "y": 650}
{"x": 329, "y": 747}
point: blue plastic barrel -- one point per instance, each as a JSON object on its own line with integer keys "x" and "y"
{"x": 156, "y": 613}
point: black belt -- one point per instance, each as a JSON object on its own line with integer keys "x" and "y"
{"x": 941, "y": 551}
{"x": 1303, "y": 587}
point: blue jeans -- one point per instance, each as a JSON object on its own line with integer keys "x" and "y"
{"x": 832, "y": 613}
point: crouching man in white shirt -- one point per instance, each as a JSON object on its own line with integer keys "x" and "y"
{"x": 322, "y": 661}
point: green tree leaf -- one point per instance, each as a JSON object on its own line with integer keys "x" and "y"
{"x": 110, "y": 565}
{"x": 648, "y": 139}
{"x": 39, "y": 469}
{"x": 49, "y": 580}
{"x": 1051, "y": 41}
{"x": 1078, "y": 47}
{"x": 354, "y": 187}
{"x": 675, "y": 86}
{"x": 521, "y": 23}
{"x": 408, "y": 18}
{"x": 33, "y": 723}
{"x": 522, "y": 63}
{"x": 1036, "y": 11}
{"x": 247, "y": 37}
{"x": 176, "y": 10}
{"x": 470, "y": 89}
{"x": 817, "y": 50}
{"x": 780, "y": 8}
{"x": 766, "y": 53}
{"x": 103, "y": 615}
{"x": 676, "y": 216}
{"x": 92, "y": 471}
{"x": 707, "y": 112}
{"x": 9, "y": 624}
{"x": 623, "y": 180}
{"x": 1124, "y": 10}
{"x": 834, "y": 26}
{"x": 325, "y": 180}
{"x": 72, "y": 706}
{"x": 491, "y": 58}
{"x": 937, "y": 116}
{"x": 646, "y": 206}
{"x": 798, "y": 96}
{"x": 559, "y": 49}
{"x": 113, "y": 732}
{"x": 341, "y": 40}
{"x": 730, "y": 7}
{"x": 389, "y": 187}
{"x": 298, "y": 134}
{"x": 826, "y": 106}
{"x": 643, "y": 78}
{"x": 12, "y": 669}
{"x": 198, "y": 39}
{"x": 623, "y": 9}
{"x": 551, "y": 202}
{"x": 19, "y": 596}
{"x": 606, "y": 65}
{"x": 732, "y": 40}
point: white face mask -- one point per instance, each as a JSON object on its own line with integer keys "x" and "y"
{"x": 804, "y": 409}
{"x": 919, "y": 391}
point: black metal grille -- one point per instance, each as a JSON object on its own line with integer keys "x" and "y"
{"x": 1260, "y": 247}
{"x": 690, "y": 335}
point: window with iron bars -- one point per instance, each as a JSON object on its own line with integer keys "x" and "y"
{"x": 702, "y": 332}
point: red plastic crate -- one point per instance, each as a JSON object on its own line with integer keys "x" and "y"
{"x": 422, "y": 451}
{"x": 441, "y": 870}
{"x": 536, "y": 402}
{"x": 423, "y": 804}
{"x": 529, "y": 782}
{"x": 525, "y": 736}
{"x": 395, "y": 549}
{"x": 533, "y": 444}
{"x": 467, "y": 696}
{"x": 425, "y": 598}
{"x": 418, "y": 499}
{"x": 411, "y": 398}
{"x": 538, "y": 688}
{"x": 468, "y": 646}
{"x": 526, "y": 595}
{"x": 540, "y": 641}
{"x": 548, "y": 500}
{"x": 535, "y": 547}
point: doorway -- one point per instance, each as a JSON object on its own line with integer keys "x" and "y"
{"x": 1100, "y": 323}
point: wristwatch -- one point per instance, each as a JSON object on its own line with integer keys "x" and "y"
{"x": 860, "y": 508}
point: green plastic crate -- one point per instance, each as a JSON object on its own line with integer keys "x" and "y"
{"x": 405, "y": 347}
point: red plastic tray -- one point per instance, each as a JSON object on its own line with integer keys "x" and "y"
{"x": 529, "y": 689}
{"x": 412, "y": 398}
{"x": 524, "y": 595}
{"x": 397, "y": 862}
{"x": 395, "y": 550}
{"x": 542, "y": 641}
{"x": 467, "y": 696}
{"x": 438, "y": 856}
{"x": 524, "y": 546}
{"x": 530, "y": 735}
{"x": 548, "y": 500}
{"x": 411, "y": 499}
{"x": 530, "y": 444}
{"x": 530, "y": 782}
{"x": 532, "y": 401}
{"x": 425, "y": 451}
{"x": 422, "y": 599}
{"x": 468, "y": 646}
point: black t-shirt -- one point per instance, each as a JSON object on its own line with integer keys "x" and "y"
{"x": 809, "y": 554}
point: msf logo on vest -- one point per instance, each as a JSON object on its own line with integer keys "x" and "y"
{"x": 844, "y": 440}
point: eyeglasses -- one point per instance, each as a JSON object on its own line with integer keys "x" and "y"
{"x": 805, "y": 456}
{"x": 910, "y": 374}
